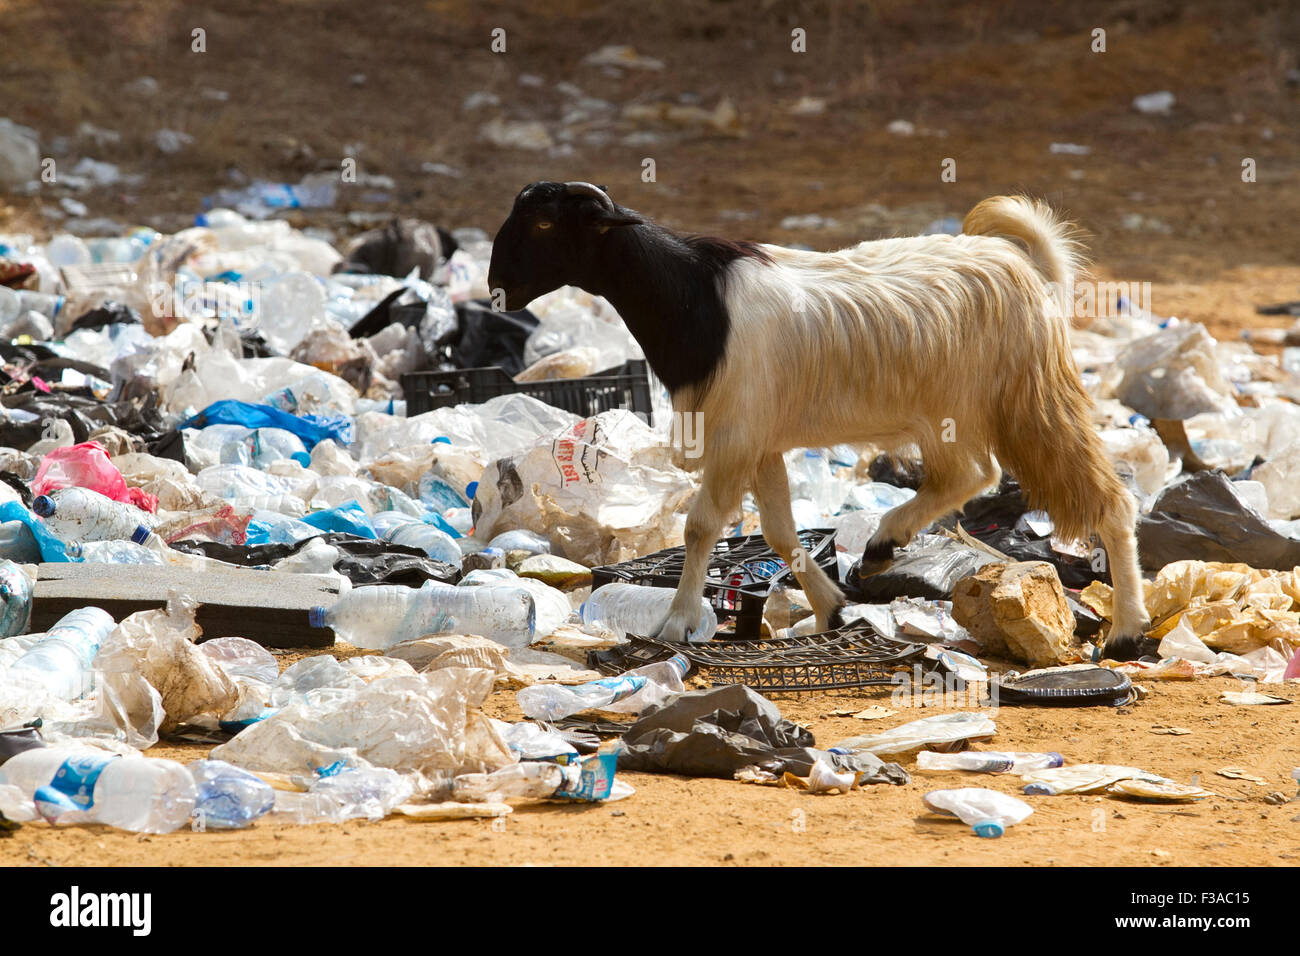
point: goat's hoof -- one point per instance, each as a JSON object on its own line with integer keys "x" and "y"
{"x": 836, "y": 619}
{"x": 674, "y": 631}
{"x": 876, "y": 557}
{"x": 1130, "y": 647}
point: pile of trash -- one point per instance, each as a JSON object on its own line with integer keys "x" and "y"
{"x": 223, "y": 408}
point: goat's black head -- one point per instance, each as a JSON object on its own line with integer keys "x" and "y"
{"x": 551, "y": 238}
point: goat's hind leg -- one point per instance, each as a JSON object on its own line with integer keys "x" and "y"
{"x": 721, "y": 488}
{"x": 952, "y": 477}
{"x": 772, "y": 492}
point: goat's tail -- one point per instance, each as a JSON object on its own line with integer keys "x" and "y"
{"x": 1051, "y": 241}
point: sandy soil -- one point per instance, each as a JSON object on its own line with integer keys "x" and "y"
{"x": 990, "y": 85}
{"x": 678, "y": 820}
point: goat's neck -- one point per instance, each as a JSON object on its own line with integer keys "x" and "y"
{"x": 670, "y": 297}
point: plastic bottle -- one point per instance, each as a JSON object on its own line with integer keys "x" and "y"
{"x": 628, "y": 693}
{"x": 988, "y": 761}
{"x": 77, "y": 785}
{"x": 61, "y": 660}
{"x": 379, "y": 616}
{"x": 987, "y": 812}
{"x": 228, "y": 797}
{"x": 119, "y": 552}
{"x": 436, "y": 544}
{"x": 15, "y": 599}
{"x": 79, "y": 514}
{"x": 663, "y": 680}
{"x": 639, "y": 610}
{"x": 17, "y": 543}
{"x": 529, "y": 778}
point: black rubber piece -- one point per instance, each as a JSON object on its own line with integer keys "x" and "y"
{"x": 1084, "y": 687}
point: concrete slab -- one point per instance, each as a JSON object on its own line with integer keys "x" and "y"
{"x": 269, "y": 607}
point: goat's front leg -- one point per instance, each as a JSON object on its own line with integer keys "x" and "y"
{"x": 772, "y": 492}
{"x": 721, "y": 487}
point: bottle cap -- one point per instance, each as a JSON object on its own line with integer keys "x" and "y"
{"x": 302, "y": 458}
{"x": 988, "y": 828}
{"x": 1057, "y": 759}
{"x": 471, "y": 490}
{"x": 43, "y": 505}
{"x": 139, "y": 534}
{"x": 316, "y": 617}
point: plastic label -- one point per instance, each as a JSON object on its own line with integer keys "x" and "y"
{"x": 73, "y": 786}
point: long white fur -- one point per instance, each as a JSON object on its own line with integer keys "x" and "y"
{"x": 951, "y": 343}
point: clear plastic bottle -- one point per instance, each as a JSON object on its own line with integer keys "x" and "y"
{"x": 79, "y": 514}
{"x": 629, "y": 693}
{"x": 228, "y": 797}
{"x": 73, "y": 785}
{"x": 640, "y": 610}
{"x": 987, "y": 812}
{"x": 529, "y": 778}
{"x": 436, "y": 544}
{"x": 60, "y": 662}
{"x": 290, "y": 308}
{"x": 119, "y": 552}
{"x": 988, "y": 761}
{"x": 15, "y": 599}
{"x": 382, "y": 615}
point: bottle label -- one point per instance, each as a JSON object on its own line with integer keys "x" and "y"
{"x": 73, "y": 786}
{"x": 624, "y": 686}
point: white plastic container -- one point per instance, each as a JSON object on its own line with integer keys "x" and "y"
{"x": 73, "y": 785}
{"x": 636, "y": 609}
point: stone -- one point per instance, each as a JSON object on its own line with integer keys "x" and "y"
{"x": 1017, "y": 611}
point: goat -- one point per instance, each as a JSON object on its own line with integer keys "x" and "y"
{"x": 956, "y": 344}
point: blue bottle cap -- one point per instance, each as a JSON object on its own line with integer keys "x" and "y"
{"x": 441, "y": 440}
{"x": 471, "y": 490}
{"x": 43, "y": 505}
{"x": 988, "y": 828}
{"x": 302, "y": 458}
{"x": 316, "y": 617}
{"x": 140, "y": 534}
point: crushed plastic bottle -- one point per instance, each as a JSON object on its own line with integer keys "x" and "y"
{"x": 988, "y": 761}
{"x": 629, "y": 693}
{"x": 60, "y": 662}
{"x": 73, "y": 785}
{"x": 987, "y": 812}
{"x": 379, "y": 616}
{"x": 636, "y": 609}
{"x": 79, "y": 514}
{"x": 228, "y": 797}
{"x": 15, "y": 599}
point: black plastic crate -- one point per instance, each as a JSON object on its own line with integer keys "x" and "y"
{"x": 625, "y": 386}
{"x": 742, "y": 572}
{"x": 855, "y": 655}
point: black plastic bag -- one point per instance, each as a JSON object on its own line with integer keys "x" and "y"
{"x": 992, "y": 518}
{"x": 489, "y": 338}
{"x": 110, "y": 313}
{"x": 715, "y": 732}
{"x": 1202, "y": 519}
{"x": 363, "y": 560}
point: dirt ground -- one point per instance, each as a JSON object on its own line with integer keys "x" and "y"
{"x": 990, "y": 86}
{"x": 673, "y": 820}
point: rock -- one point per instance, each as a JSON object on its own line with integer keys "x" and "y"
{"x": 20, "y": 154}
{"x": 1017, "y": 611}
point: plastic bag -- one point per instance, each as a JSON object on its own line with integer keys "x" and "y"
{"x": 87, "y": 466}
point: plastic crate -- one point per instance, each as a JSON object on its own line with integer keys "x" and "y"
{"x": 855, "y": 655}
{"x": 625, "y": 386}
{"x": 742, "y": 572}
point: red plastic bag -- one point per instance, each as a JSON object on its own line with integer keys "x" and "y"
{"x": 87, "y": 466}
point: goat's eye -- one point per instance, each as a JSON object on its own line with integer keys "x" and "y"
{"x": 544, "y": 225}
